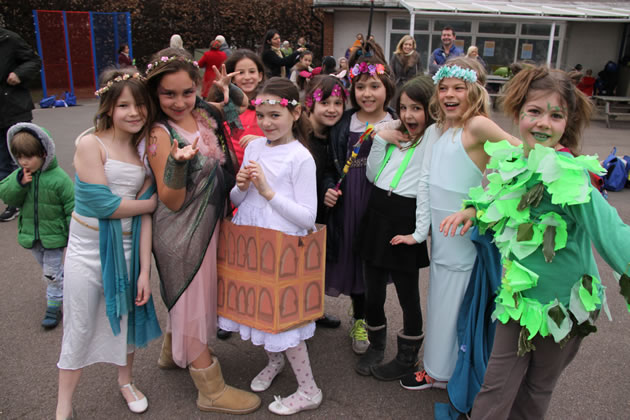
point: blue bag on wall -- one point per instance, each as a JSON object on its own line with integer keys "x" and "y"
{"x": 617, "y": 175}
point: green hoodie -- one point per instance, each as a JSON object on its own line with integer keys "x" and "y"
{"x": 46, "y": 203}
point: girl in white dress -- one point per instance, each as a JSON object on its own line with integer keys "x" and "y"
{"x": 102, "y": 313}
{"x": 276, "y": 189}
{"x": 454, "y": 161}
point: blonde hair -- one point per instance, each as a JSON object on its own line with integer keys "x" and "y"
{"x": 477, "y": 96}
{"x": 404, "y": 39}
{"x": 549, "y": 81}
{"x": 471, "y": 49}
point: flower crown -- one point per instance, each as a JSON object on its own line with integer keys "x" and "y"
{"x": 165, "y": 59}
{"x": 467, "y": 75}
{"x": 372, "y": 69}
{"x": 282, "y": 102}
{"x": 117, "y": 79}
{"x": 318, "y": 94}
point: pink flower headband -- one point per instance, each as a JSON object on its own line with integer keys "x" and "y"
{"x": 282, "y": 102}
{"x": 318, "y": 94}
{"x": 117, "y": 79}
{"x": 165, "y": 59}
{"x": 372, "y": 69}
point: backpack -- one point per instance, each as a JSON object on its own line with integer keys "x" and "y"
{"x": 617, "y": 172}
{"x": 70, "y": 99}
{"x": 47, "y": 102}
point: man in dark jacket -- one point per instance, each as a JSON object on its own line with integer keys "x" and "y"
{"x": 18, "y": 66}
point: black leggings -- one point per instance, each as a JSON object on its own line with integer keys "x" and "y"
{"x": 408, "y": 293}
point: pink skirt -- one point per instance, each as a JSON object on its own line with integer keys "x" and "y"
{"x": 193, "y": 319}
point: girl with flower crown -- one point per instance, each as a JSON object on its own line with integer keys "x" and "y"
{"x": 193, "y": 168}
{"x": 372, "y": 89}
{"x": 108, "y": 309}
{"x": 276, "y": 189}
{"x": 454, "y": 162}
{"x": 544, "y": 217}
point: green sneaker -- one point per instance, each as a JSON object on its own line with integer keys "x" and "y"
{"x": 358, "y": 333}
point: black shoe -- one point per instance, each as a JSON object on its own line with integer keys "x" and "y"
{"x": 223, "y": 335}
{"x": 328, "y": 321}
{"x": 9, "y": 213}
{"x": 375, "y": 352}
{"x": 52, "y": 317}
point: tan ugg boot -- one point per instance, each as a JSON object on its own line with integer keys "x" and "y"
{"x": 215, "y": 395}
{"x": 166, "y": 355}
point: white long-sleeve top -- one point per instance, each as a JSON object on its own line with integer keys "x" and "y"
{"x": 423, "y": 205}
{"x": 290, "y": 172}
{"x": 408, "y": 185}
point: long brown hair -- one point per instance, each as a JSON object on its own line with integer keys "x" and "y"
{"x": 103, "y": 120}
{"x": 549, "y": 81}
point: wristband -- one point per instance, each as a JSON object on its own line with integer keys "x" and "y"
{"x": 175, "y": 173}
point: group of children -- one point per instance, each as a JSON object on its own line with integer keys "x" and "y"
{"x": 160, "y": 157}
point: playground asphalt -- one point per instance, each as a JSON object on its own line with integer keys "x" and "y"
{"x": 595, "y": 385}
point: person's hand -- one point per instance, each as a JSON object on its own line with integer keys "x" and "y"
{"x": 394, "y": 137}
{"x": 301, "y": 49}
{"x": 144, "y": 289}
{"x": 27, "y": 176}
{"x": 153, "y": 202}
{"x": 403, "y": 239}
{"x": 257, "y": 176}
{"x": 243, "y": 179}
{"x": 222, "y": 81}
{"x": 246, "y": 139}
{"x": 185, "y": 153}
{"x": 331, "y": 197}
{"x": 13, "y": 79}
{"x": 463, "y": 217}
{"x": 387, "y": 125}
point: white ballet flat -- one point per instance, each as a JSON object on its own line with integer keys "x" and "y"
{"x": 278, "y": 407}
{"x": 139, "y": 405}
{"x": 259, "y": 385}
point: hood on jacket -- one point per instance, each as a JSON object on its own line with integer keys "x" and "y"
{"x": 40, "y": 133}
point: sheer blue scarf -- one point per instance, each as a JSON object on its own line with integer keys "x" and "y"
{"x": 97, "y": 200}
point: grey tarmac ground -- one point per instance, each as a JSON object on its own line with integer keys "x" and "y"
{"x": 596, "y": 384}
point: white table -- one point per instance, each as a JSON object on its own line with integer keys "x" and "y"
{"x": 614, "y": 106}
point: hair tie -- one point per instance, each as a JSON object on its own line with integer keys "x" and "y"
{"x": 371, "y": 69}
{"x": 151, "y": 67}
{"x": 282, "y": 102}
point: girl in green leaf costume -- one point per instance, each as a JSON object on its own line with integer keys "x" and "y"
{"x": 544, "y": 214}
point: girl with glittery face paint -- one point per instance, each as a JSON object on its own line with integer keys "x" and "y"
{"x": 544, "y": 216}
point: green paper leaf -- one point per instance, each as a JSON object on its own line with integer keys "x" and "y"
{"x": 525, "y": 232}
{"x": 624, "y": 284}
{"x": 557, "y": 315}
{"x": 549, "y": 243}
{"x": 587, "y": 282}
{"x": 532, "y": 197}
{"x": 524, "y": 344}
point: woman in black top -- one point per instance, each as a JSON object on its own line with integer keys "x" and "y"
{"x": 276, "y": 63}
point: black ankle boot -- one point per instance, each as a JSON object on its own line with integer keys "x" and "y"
{"x": 404, "y": 362}
{"x": 375, "y": 353}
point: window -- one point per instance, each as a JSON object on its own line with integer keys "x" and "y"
{"x": 457, "y": 25}
{"x": 497, "y": 28}
{"x": 536, "y": 50}
{"x": 541, "y": 29}
{"x": 403, "y": 24}
{"x": 496, "y": 52}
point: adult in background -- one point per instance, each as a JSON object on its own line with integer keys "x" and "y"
{"x": 405, "y": 61}
{"x": 275, "y": 62}
{"x": 224, "y": 45}
{"x": 447, "y": 50}
{"x": 19, "y": 65}
{"x": 213, "y": 57}
{"x": 473, "y": 52}
{"x": 176, "y": 42}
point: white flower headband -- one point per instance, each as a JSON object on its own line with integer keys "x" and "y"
{"x": 165, "y": 59}
{"x": 445, "y": 72}
{"x": 117, "y": 79}
{"x": 282, "y": 102}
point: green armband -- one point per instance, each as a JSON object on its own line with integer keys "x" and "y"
{"x": 175, "y": 173}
